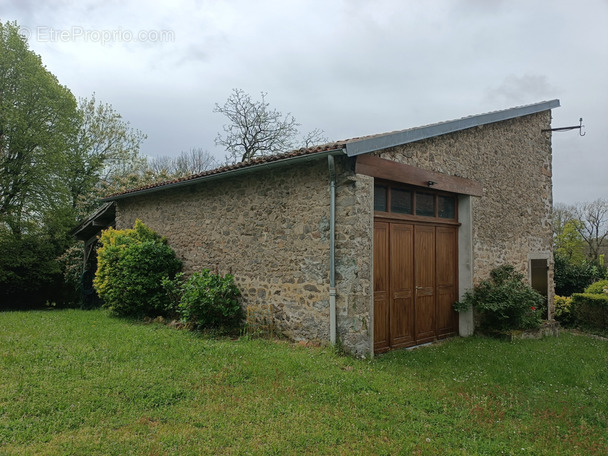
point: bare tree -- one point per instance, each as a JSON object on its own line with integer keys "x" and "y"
{"x": 594, "y": 225}
{"x": 257, "y": 130}
{"x": 314, "y": 138}
{"x": 562, "y": 214}
{"x": 195, "y": 161}
{"x": 159, "y": 165}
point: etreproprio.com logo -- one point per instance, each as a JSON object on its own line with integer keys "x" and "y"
{"x": 45, "y": 34}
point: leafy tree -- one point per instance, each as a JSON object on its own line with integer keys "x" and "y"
{"x": 583, "y": 225}
{"x": 29, "y": 276}
{"x": 257, "y": 130}
{"x": 574, "y": 277}
{"x": 594, "y": 225}
{"x": 569, "y": 243}
{"x": 54, "y": 155}
{"x": 104, "y": 149}
{"x": 38, "y": 119}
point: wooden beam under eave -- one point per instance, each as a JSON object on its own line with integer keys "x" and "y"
{"x": 398, "y": 172}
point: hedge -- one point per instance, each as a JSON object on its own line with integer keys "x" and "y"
{"x": 591, "y": 310}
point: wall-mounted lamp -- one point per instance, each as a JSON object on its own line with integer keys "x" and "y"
{"x": 431, "y": 183}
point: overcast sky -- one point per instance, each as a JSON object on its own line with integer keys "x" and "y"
{"x": 349, "y": 67}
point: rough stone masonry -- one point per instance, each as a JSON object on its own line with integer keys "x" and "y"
{"x": 271, "y": 227}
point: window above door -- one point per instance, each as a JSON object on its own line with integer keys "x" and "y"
{"x": 397, "y": 200}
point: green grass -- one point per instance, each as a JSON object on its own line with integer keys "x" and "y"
{"x": 84, "y": 383}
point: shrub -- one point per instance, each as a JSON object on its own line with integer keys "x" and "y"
{"x": 206, "y": 299}
{"x": 71, "y": 267}
{"x": 504, "y": 301}
{"x": 29, "y": 272}
{"x": 563, "y": 310}
{"x": 131, "y": 266}
{"x": 573, "y": 278}
{"x": 591, "y": 310}
{"x": 588, "y": 310}
{"x": 599, "y": 287}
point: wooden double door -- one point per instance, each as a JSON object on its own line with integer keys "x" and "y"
{"x": 415, "y": 283}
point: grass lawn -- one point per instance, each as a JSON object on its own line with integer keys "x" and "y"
{"x": 84, "y": 383}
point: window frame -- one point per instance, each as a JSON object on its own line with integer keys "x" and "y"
{"x": 389, "y": 185}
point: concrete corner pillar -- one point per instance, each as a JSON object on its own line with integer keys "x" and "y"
{"x": 466, "y": 325}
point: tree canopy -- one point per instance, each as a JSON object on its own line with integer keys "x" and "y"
{"x": 55, "y": 155}
{"x": 104, "y": 149}
{"x": 38, "y": 120}
{"x": 580, "y": 227}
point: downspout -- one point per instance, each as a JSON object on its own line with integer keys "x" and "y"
{"x": 332, "y": 237}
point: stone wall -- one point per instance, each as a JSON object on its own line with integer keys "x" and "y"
{"x": 354, "y": 256}
{"x": 271, "y": 229}
{"x": 512, "y": 161}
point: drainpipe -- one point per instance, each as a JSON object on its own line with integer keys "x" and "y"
{"x": 332, "y": 236}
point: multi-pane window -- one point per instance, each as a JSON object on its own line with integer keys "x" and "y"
{"x": 380, "y": 198}
{"x": 396, "y": 199}
{"x": 402, "y": 201}
{"x": 446, "y": 207}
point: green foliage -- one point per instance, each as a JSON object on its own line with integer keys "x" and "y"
{"x": 588, "y": 310}
{"x": 206, "y": 299}
{"x": 569, "y": 243}
{"x": 104, "y": 149}
{"x": 71, "y": 268}
{"x": 504, "y": 301}
{"x": 131, "y": 266}
{"x": 29, "y": 274}
{"x": 563, "y": 310}
{"x": 53, "y": 154}
{"x": 591, "y": 310}
{"x": 599, "y": 287}
{"x": 37, "y": 123}
{"x": 574, "y": 278}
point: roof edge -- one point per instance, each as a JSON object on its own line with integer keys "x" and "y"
{"x": 106, "y": 210}
{"x": 363, "y": 146}
{"x": 224, "y": 174}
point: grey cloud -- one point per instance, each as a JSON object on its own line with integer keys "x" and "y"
{"x": 521, "y": 89}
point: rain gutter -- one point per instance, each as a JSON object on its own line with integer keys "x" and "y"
{"x": 332, "y": 239}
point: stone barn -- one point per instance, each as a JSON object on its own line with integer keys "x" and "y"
{"x": 370, "y": 241}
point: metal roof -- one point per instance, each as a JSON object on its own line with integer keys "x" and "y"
{"x": 368, "y": 144}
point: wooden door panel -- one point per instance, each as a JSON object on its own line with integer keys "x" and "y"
{"x": 415, "y": 283}
{"x": 424, "y": 267}
{"x": 381, "y": 287}
{"x": 381, "y": 322}
{"x": 446, "y": 316}
{"x": 446, "y": 265}
{"x": 401, "y": 285}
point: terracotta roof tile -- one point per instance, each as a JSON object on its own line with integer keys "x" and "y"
{"x": 240, "y": 165}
